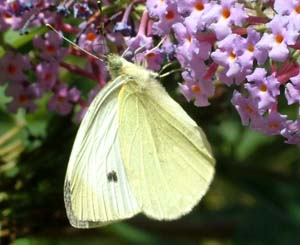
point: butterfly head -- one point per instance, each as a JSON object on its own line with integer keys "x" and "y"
{"x": 115, "y": 64}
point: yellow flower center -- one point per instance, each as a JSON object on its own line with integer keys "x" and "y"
{"x": 23, "y": 98}
{"x": 196, "y": 88}
{"x": 250, "y": 47}
{"x": 151, "y": 55}
{"x": 279, "y": 38}
{"x": 170, "y": 15}
{"x": 226, "y": 13}
{"x": 11, "y": 69}
{"x": 50, "y": 49}
{"x": 91, "y": 36}
{"x": 199, "y": 6}
{"x": 273, "y": 126}
{"x": 249, "y": 109}
{"x": 232, "y": 55}
{"x": 263, "y": 88}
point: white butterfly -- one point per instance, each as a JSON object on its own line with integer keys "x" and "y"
{"x": 136, "y": 151}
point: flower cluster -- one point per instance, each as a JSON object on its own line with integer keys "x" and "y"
{"x": 258, "y": 60}
{"x": 251, "y": 46}
{"x": 17, "y": 69}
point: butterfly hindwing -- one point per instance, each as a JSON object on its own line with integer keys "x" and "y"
{"x": 166, "y": 155}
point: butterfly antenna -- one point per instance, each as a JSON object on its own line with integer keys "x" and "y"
{"x": 134, "y": 54}
{"x": 170, "y": 72}
{"x": 125, "y": 52}
{"x": 165, "y": 67}
{"x": 74, "y": 44}
{"x": 157, "y": 46}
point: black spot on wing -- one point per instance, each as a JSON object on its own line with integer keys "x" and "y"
{"x": 112, "y": 176}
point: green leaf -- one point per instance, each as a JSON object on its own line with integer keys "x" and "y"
{"x": 16, "y": 40}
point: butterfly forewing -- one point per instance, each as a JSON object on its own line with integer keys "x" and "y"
{"x": 96, "y": 185}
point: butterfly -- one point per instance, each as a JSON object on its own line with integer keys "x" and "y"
{"x": 136, "y": 151}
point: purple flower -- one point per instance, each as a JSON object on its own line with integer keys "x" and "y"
{"x": 292, "y": 132}
{"x": 223, "y": 16}
{"x": 157, "y": 8}
{"x": 23, "y": 95}
{"x": 246, "y": 107}
{"x": 188, "y": 46}
{"x": 168, "y": 48}
{"x": 251, "y": 52}
{"x": 16, "y": 7}
{"x": 195, "y": 9}
{"x": 62, "y": 100}
{"x": 263, "y": 88}
{"x": 292, "y": 91}
{"x": 46, "y": 73}
{"x": 50, "y": 47}
{"x": 140, "y": 41}
{"x": 3, "y": 24}
{"x": 169, "y": 17}
{"x": 45, "y": 17}
{"x": 276, "y": 42}
{"x": 238, "y": 79}
{"x": 13, "y": 66}
{"x": 82, "y": 10}
{"x": 92, "y": 41}
{"x": 198, "y": 90}
{"x": 197, "y": 68}
{"x": 291, "y": 8}
{"x": 271, "y": 124}
{"x": 228, "y": 53}
{"x": 154, "y": 59}
{"x": 14, "y": 14}
{"x": 285, "y": 7}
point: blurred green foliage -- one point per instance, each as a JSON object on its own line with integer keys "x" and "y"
{"x": 254, "y": 198}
